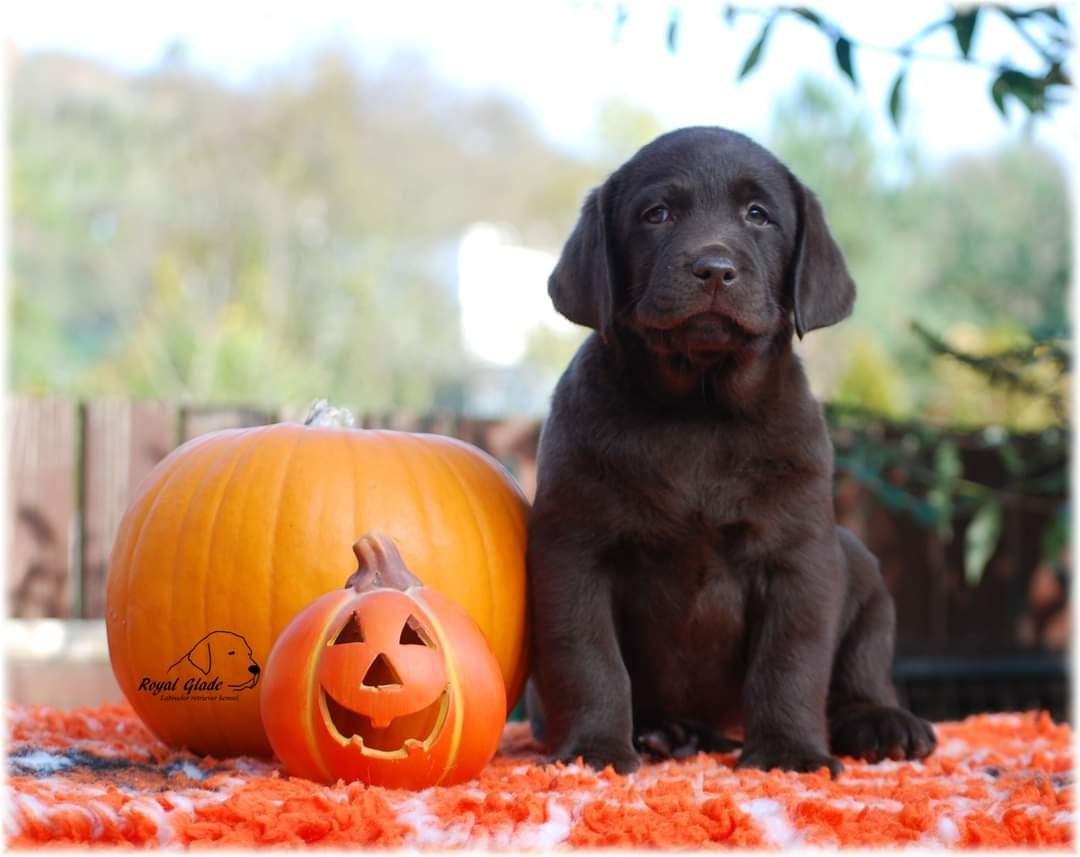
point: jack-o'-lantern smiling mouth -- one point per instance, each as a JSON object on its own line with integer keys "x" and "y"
{"x": 415, "y": 731}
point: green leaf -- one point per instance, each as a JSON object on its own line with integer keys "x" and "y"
{"x": 906, "y": 47}
{"x": 941, "y": 502}
{"x": 1056, "y": 537}
{"x": 997, "y": 92}
{"x": 620, "y": 19}
{"x": 923, "y": 512}
{"x": 963, "y": 24}
{"x": 754, "y": 57}
{"x": 673, "y": 31}
{"x": 947, "y": 464}
{"x": 1014, "y": 15}
{"x": 896, "y": 97}
{"x": 843, "y": 57}
{"x": 810, "y": 15}
{"x": 1051, "y": 12}
{"x": 980, "y": 540}
{"x": 1011, "y": 458}
{"x": 891, "y": 497}
{"x": 1056, "y": 75}
{"x": 1029, "y": 91}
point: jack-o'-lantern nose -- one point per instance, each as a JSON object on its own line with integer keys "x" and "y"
{"x": 381, "y": 673}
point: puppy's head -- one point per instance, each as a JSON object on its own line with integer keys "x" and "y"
{"x": 702, "y": 244}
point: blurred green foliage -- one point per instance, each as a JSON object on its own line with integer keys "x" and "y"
{"x": 177, "y": 237}
{"x": 976, "y": 249}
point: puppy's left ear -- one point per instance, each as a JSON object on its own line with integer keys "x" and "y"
{"x": 581, "y": 286}
{"x": 823, "y": 291}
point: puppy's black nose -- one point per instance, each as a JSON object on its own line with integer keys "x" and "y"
{"x": 715, "y": 270}
{"x": 254, "y": 670}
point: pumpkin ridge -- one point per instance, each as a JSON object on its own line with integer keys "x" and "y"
{"x": 453, "y": 687}
{"x": 272, "y": 570}
{"x": 171, "y": 462}
{"x": 400, "y": 443}
{"x": 482, "y": 455}
{"x": 472, "y": 502}
{"x": 359, "y": 489}
{"x": 511, "y": 505}
{"x": 224, "y": 489}
{"x": 310, "y": 681}
{"x": 490, "y": 468}
{"x": 166, "y": 489}
{"x": 239, "y": 455}
{"x": 347, "y": 455}
{"x": 232, "y": 449}
{"x": 140, "y": 510}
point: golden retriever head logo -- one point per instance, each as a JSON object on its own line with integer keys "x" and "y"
{"x": 222, "y": 656}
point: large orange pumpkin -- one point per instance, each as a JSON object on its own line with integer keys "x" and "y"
{"x": 386, "y": 681}
{"x": 236, "y": 531}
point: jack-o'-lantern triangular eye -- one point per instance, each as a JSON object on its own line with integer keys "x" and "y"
{"x": 413, "y": 634}
{"x": 351, "y": 633}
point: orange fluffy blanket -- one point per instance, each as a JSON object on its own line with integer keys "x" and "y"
{"x": 97, "y": 776}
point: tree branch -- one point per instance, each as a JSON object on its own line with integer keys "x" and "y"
{"x": 995, "y": 368}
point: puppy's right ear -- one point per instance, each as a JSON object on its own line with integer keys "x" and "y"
{"x": 581, "y": 286}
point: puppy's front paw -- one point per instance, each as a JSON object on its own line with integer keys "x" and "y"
{"x": 598, "y": 753}
{"x": 804, "y": 760}
{"x": 674, "y": 740}
{"x": 876, "y": 732}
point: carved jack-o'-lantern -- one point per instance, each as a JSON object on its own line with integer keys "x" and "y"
{"x": 385, "y": 681}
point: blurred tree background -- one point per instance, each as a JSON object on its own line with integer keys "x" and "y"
{"x": 177, "y": 237}
{"x": 977, "y": 250}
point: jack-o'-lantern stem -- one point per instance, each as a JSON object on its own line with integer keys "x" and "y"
{"x": 380, "y": 565}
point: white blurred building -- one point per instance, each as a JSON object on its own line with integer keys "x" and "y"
{"x": 502, "y": 291}
{"x": 502, "y": 295}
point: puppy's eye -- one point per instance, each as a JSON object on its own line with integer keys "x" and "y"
{"x": 657, "y": 214}
{"x": 757, "y": 215}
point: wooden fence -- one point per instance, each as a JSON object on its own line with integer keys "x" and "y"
{"x": 74, "y": 465}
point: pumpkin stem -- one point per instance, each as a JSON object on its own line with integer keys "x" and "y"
{"x": 380, "y": 565}
{"x": 325, "y": 415}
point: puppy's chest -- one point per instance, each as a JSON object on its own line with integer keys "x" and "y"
{"x": 683, "y": 622}
{"x": 712, "y": 489}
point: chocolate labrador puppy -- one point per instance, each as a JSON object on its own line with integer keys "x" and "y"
{"x": 686, "y": 573}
